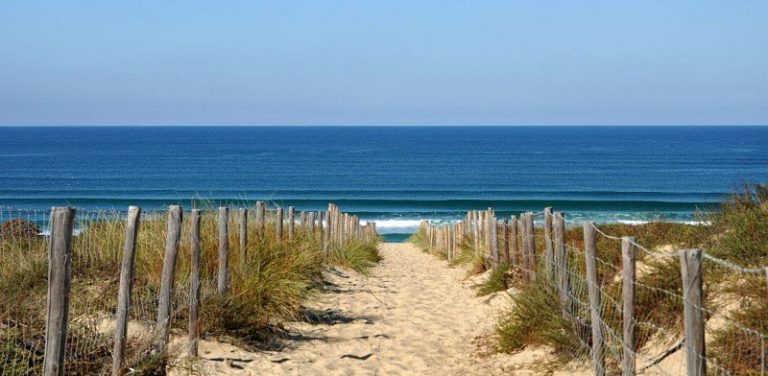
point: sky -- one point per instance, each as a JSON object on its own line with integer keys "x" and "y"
{"x": 383, "y": 62}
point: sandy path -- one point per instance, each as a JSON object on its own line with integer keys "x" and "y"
{"x": 413, "y": 315}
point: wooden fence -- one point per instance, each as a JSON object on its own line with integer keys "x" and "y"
{"x": 606, "y": 323}
{"x": 331, "y": 228}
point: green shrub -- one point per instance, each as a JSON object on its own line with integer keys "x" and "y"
{"x": 742, "y": 228}
{"x": 498, "y": 280}
{"x": 357, "y": 255}
{"x": 536, "y": 319}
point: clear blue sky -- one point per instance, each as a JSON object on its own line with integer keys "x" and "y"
{"x": 383, "y": 62}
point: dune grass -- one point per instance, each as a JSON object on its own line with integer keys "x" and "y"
{"x": 270, "y": 284}
{"x": 536, "y": 320}
{"x": 737, "y": 232}
{"x": 499, "y": 280}
{"x": 357, "y": 255}
{"x": 467, "y": 254}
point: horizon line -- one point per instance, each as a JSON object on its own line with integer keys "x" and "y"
{"x": 374, "y": 125}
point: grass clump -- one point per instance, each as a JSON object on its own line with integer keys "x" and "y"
{"x": 419, "y": 239}
{"x": 536, "y": 319}
{"x": 273, "y": 282}
{"x": 498, "y": 280}
{"x": 357, "y": 255}
{"x": 740, "y": 234}
{"x": 741, "y": 228}
{"x": 470, "y": 256}
{"x": 269, "y": 282}
{"x": 737, "y": 348}
{"x": 467, "y": 253}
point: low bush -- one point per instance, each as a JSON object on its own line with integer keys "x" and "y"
{"x": 18, "y": 228}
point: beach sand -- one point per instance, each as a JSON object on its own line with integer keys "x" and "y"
{"x": 414, "y": 315}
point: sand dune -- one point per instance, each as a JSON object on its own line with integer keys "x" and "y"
{"x": 413, "y": 316}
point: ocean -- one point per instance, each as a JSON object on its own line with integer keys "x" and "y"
{"x": 395, "y": 176}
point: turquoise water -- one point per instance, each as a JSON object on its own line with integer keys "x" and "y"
{"x": 393, "y": 175}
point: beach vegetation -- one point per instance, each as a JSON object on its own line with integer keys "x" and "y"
{"x": 535, "y": 321}
{"x": 357, "y": 255}
{"x": 735, "y": 301}
{"x": 18, "y": 228}
{"x": 498, "y": 280}
{"x": 268, "y": 283}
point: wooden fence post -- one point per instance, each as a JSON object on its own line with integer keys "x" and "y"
{"x": 61, "y": 224}
{"x": 165, "y": 296}
{"x": 549, "y": 250}
{"x": 476, "y": 231}
{"x": 561, "y": 267}
{"x": 693, "y": 295}
{"x": 194, "y": 282}
{"x": 223, "y": 274}
{"x": 291, "y": 221}
{"x": 279, "y": 224}
{"x": 524, "y": 242}
{"x": 483, "y": 233}
{"x": 593, "y": 285}
{"x": 321, "y": 230}
{"x": 243, "y": 224}
{"x": 311, "y": 223}
{"x": 344, "y": 228}
{"x": 513, "y": 246}
{"x": 521, "y": 242}
{"x": 628, "y": 257}
{"x": 327, "y": 231}
{"x": 505, "y": 226}
{"x": 467, "y": 223}
{"x": 493, "y": 241}
{"x": 124, "y": 291}
{"x": 261, "y": 216}
{"x": 530, "y": 244}
{"x": 338, "y": 220}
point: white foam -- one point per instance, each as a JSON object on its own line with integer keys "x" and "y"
{"x": 642, "y": 222}
{"x": 397, "y": 226}
{"x": 407, "y": 226}
{"x": 631, "y": 222}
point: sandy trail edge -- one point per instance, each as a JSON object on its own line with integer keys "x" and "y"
{"x": 413, "y": 316}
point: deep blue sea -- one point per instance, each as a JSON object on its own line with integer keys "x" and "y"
{"x": 393, "y": 175}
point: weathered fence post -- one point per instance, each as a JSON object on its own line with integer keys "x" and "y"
{"x": 333, "y": 225}
{"x": 530, "y": 245}
{"x": 561, "y": 267}
{"x": 628, "y": 257}
{"x": 279, "y": 224}
{"x": 428, "y": 230}
{"x": 61, "y": 224}
{"x": 311, "y": 223}
{"x": 124, "y": 291}
{"x": 521, "y": 242}
{"x": 165, "y": 296}
{"x": 693, "y": 296}
{"x": 593, "y": 285}
{"x": 243, "y": 224}
{"x": 291, "y": 221}
{"x": 513, "y": 246}
{"x": 303, "y": 223}
{"x": 322, "y": 231}
{"x": 261, "y": 216}
{"x": 481, "y": 223}
{"x": 194, "y": 282}
{"x": 494, "y": 240}
{"x": 223, "y": 274}
{"x": 549, "y": 250}
{"x": 524, "y": 242}
{"x": 344, "y": 228}
{"x": 505, "y": 228}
